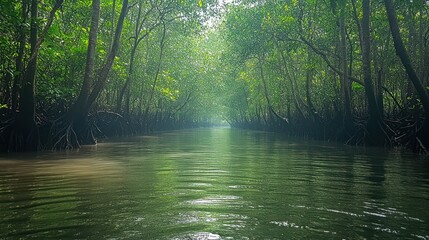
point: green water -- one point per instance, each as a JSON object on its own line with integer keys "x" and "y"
{"x": 215, "y": 184}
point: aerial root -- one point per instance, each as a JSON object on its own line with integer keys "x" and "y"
{"x": 63, "y": 134}
{"x": 358, "y": 136}
{"x": 102, "y": 122}
{"x": 15, "y": 138}
{"x": 422, "y": 147}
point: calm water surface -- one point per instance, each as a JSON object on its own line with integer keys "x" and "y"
{"x": 214, "y": 184}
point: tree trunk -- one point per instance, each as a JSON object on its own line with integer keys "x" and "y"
{"x": 83, "y": 131}
{"x": 128, "y": 80}
{"x": 345, "y": 82}
{"x": 90, "y": 59}
{"x": 286, "y": 74}
{"x": 311, "y": 107}
{"x": 112, "y": 29}
{"x": 25, "y": 131}
{"x": 72, "y": 129}
{"x": 125, "y": 87}
{"x": 78, "y": 113}
{"x": 423, "y": 49}
{"x": 104, "y": 72}
{"x": 375, "y": 130}
{"x": 423, "y": 132}
{"x": 25, "y": 123}
{"x": 137, "y": 38}
{"x": 155, "y": 80}
{"x": 19, "y": 62}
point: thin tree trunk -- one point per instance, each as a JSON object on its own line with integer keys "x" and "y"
{"x": 137, "y": 38}
{"x": 27, "y": 105}
{"x": 72, "y": 129}
{"x": 41, "y": 39}
{"x": 424, "y": 49}
{"x": 131, "y": 62}
{"x": 310, "y": 104}
{"x": 112, "y": 28}
{"x": 104, "y": 72}
{"x": 345, "y": 82}
{"x": 125, "y": 87}
{"x": 161, "y": 53}
{"x": 90, "y": 57}
{"x": 78, "y": 113}
{"x": 375, "y": 123}
{"x": 286, "y": 73}
{"x": 356, "y": 18}
{"x": 6, "y": 81}
{"x": 366, "y": 61}
{"x": 261, "y": 69}
{"x": 27, "y": 100}
{"x": 26, "y": 123}
{"x": 19, "y": 67}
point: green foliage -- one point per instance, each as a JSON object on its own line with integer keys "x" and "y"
{"x": 357, "y": 87}
{"x": 211, "y": 70}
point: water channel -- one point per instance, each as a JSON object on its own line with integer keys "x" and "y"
{"x": 218, "y": 183}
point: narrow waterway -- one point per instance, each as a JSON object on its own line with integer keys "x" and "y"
{"x": 216, "y": 183}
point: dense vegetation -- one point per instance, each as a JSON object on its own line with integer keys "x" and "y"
{"x": 349, "y": 70}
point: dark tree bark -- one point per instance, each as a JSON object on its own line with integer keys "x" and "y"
{"x": 311, "y": 107}
{"x": 112, "y": 29}
{"x": 26, "y": 117}
{"x": 78, "y": 113}
{"x": 21, "y": 134}
{"x": 402, "y": 53}
{"x": 72, "y": 129}
{"x": 104, "y": 72}
{"x": 90, "y": 57}
{"x": 345, "y": 82}
{"x": 376, "y": 135}
{"x": 19, "y": 61}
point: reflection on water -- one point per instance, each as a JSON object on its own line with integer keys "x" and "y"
{"x": 214, "y": 184}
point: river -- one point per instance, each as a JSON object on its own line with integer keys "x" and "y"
{"x": 218, "y": 183}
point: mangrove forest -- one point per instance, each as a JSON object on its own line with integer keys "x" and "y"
{"x": 77, "y": 71}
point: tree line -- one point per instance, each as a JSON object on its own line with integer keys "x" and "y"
{"x": 76, "y": 70}
{"x": 349, "y": 70}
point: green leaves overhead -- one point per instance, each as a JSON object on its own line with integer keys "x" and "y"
{"x": 245, "y": 31}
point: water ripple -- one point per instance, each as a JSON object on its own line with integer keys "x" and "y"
{"x": 214, "y": 184}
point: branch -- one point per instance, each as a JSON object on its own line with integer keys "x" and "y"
{"x": 337, "y": 71}
{"x": 184, "y": 104}
{"x": 40, "y": 40}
